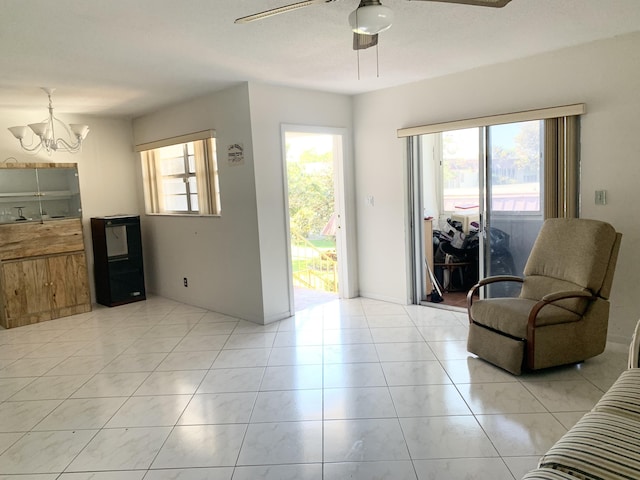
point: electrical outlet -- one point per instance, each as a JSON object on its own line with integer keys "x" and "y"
{"x": 185, "y": 282}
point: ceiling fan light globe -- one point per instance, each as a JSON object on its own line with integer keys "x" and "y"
{"x": 371, "y": 19}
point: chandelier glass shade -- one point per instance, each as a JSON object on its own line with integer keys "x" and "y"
{"x": 46, "y": 133}
{"x": 371, "y": 18}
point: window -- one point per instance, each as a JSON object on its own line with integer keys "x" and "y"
{"x": 514, "y": 152}
{"x": 514, "y": 162}
{"x": 181, "y": 175}
{"x": 551, "y": 144}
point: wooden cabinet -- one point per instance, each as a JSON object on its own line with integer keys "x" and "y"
{"x": 43, "y": 272}
{"x": 68, "y": 283}
{"x": 24, "y": 289}
{"x": 43, "y": 267}
{"x": 39, "y": 192}
{"x": 43, "y": 288}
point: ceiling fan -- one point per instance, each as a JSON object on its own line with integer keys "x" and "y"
{"x": 368, "y": 20}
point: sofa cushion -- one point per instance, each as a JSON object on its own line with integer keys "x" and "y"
{"x": 623, "y": 398}
{"x": 601, "y": 446}
{"x": 548, "y": 474}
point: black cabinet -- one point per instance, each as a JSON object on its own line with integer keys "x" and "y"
{"x": 117, "y": 256}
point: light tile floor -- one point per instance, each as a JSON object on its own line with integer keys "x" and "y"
{"x": 359, "y": 389}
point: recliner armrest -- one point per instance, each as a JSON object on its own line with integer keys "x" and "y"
{"x": 498, "y": 278}
{"x": 554, "y": 297}
{"x": 548, "y": 300}
{"x": 487, "y": 281}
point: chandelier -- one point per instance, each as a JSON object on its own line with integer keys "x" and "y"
{"x": 46, "y": 132}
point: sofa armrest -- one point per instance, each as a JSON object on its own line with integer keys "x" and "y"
{"x": 634, "y": 348}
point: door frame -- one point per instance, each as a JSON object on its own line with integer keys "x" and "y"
{"x": 344, "y": 204}
{"x": 416, "y": 275}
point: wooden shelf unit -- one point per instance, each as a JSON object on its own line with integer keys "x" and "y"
{"x": 43, "y": 272}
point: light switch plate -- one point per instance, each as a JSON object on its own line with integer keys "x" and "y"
{"x": 601, "y": 197}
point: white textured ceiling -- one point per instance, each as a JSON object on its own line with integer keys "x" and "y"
{"x": 128, "y": 57}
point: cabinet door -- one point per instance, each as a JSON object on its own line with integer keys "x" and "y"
{"x": 59, "y": 192}
{"x": 19, "y": 188}
{"x": 68, "y": 280}
{"x": 25, "y": 288}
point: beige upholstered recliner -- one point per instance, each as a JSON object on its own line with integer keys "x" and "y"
{"x": 562, "y": 312}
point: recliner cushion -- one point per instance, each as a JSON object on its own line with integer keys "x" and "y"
{"x": 510, "y": 315}
{"x": 573, "y": 249}
{"x": 535, "y": 287}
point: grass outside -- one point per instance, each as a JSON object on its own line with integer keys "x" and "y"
{"x": 324, "y": 243}
{"x": 307, "y": 262}
{"x": 299, "y": 265}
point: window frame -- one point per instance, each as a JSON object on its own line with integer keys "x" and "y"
{"x": 205, "y": 173}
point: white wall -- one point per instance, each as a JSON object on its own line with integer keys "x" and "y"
{"x": 605, "y": 75}
{"x": 106, "y": 166}
{"x": 219, "y": 255}
{"x": 236, "y": 264}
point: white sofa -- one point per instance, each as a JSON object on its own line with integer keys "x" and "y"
{"x": 605, "y": 443}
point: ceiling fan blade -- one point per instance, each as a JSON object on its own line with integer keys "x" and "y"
{"x": 277, "y": 11}
{"x": 360, "y": 41}
{"x": 479, "y": 3}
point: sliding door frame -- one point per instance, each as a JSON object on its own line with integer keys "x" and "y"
{"x": 561, "y": 184}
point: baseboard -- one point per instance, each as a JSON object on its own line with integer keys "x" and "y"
{"x": 619, "y": 339}
{"x": 382, "y": 298}
{"x": 277, "y": 317}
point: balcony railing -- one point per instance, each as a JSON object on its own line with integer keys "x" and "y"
{"x": 313, "y": 268}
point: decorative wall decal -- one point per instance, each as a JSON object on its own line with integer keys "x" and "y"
{"x": 235, "y": 154}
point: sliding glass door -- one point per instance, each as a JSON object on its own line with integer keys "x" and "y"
{"x": 484, "y": 187}
{"x": 513, "y": 207}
